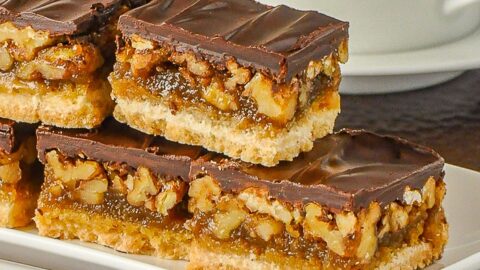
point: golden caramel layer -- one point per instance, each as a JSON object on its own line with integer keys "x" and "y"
{"x": 131, "y": 210}
{"x": 35, "y": 56}
{"x": 184, "y": 79}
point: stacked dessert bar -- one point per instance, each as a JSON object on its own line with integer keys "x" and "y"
{"x": 236, "y": 77}
{"x": 20, "y": 174}
{"x": 221, "y": 151}
{"x": 55, "y": 56}
{"x": 356, "y": 201}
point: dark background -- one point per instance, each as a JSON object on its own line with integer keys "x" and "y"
{"x": 445, "y": 117}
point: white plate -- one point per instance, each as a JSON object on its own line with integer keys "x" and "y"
{"x": 15, "y": 266}
{"x": 384, "y": 73}
{"x": 462, "y": 251}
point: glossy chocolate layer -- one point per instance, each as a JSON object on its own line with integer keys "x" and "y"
{"x": 344, "y": 171}
{"x": 114, "y": 142}
{"x": 280, "y": 41}
{"x": 7, "y": 136}
{"x": 59, "y": 17}
{"x": 12, "y": 134}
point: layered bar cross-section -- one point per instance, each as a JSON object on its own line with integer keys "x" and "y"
{"x": 55, "y": 56}
{"x": 251, "y": 81}
{"x": 20, "y": 174}
{"x": 356, "y": 201}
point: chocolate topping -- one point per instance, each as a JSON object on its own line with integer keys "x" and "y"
{"x": 280, "y": 41}
{"x": 59, "y": 17}
{"x": 7, "y": 137}
{"x": 12, "y": 134}
{"x": 114, "y": 142}
{"x": 344, "y": 171}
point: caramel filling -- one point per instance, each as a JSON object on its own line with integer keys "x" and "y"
{"x": 182, "y": 80}
{"x": 311, "y": 235}
{"x": 248, "y": 222}
{"x": 30, "y": 56}
{"x": 113, "y": 190}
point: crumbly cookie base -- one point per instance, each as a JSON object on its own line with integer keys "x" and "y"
{"x": 191, "y": 126}
{"x": 410, "y": 257}
{"x": 81, "y": 108}
{"x": 119, "y": 235}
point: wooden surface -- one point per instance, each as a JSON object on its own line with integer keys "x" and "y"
{"x": 445, "y": 117}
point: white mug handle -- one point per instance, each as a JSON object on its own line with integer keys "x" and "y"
{"x": 451, "y": 6}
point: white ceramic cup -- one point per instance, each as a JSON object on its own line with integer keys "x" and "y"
{"x": 383, "y": 26}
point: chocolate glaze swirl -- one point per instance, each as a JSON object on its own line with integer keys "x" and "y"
{"x": 344, "y": 171}
{"x": 280, "y": 41}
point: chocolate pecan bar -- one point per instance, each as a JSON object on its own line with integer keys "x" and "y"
{"x": 251, "y": 81}
{"x": 356, "y": 201}
{"x": 20, "y": 174}
{"x": 55, "y": 56}
{"x": 117, "y": 187}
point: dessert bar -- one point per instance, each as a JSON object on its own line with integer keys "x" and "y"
{"x": 20, "y": 174}
{"x": 254, "y": 82}
{"x": 55, "y": 56}
{"x": 356, "y": 201}
{"x": 117, "y": 187}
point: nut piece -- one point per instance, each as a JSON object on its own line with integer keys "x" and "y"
{"x": 368, "y": 242}
{"x": 440, "y": 192}
{"x": 91, "y": 191}
{"x": 267, "y": 227}
{"x": 428, "y": 193}
{"x": 321, "y": 229}
{"x": 203, "y": 193}
{"x": 343, "y": 52}
{"x": 198, "y": 67}
{"x": 240, "y": 75}
{"x": 399, "y": 217}
{"x": 143, "y": 63}
{"x": 329, "y": 65}
{"x": 144, "y": 186}
{"x": 256, "y": 201}
{"x": 6, "y": 60}
{"x": 139, "y": 43}
{"x": 231, "y": 215}
{"x": 172, "y": 194}
{"x": 278, "y": 102}
{"x": 26, "y": 42}
{"x": 314, "y": 69}
{"x": 166, "y": 201}
{"x": 62, "y": 62}
{"x": 346, "y": 223}
{"x": 216, "y": 95}
{"x": 69, "y": 173}
{"x": 11, "y": 173}
{"x": 411, "y": 196}
{"x": 118, "y": 184}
